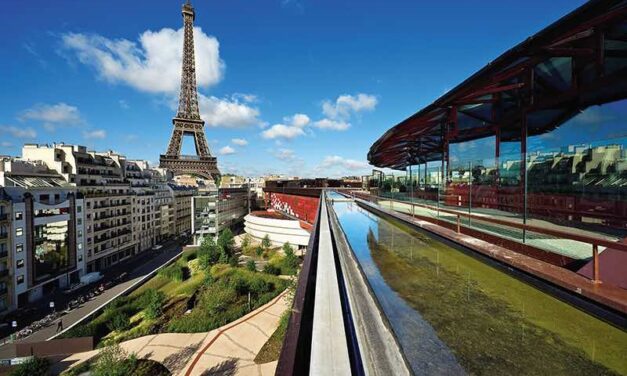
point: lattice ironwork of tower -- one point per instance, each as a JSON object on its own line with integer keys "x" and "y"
{"x": 187, "y": 121}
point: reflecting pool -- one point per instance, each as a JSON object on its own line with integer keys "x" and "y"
{"x": 454, "y": 314}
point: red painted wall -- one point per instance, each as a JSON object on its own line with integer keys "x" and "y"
{"x": 302, "y": 207}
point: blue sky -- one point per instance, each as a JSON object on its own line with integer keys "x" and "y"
{"x": 307, "y": 85}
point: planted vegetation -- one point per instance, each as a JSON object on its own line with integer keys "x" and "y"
{"x": 281, "y": 260}
{"x": 115, "y": 361}
{"x": 204, "y": 289}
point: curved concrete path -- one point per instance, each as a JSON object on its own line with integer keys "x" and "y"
{"x": 230, "y": 349}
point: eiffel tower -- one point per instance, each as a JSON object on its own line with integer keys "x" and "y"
{"x": 187, "y": 120}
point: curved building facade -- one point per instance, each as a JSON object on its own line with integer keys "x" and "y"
{"x": 279, "y": 228}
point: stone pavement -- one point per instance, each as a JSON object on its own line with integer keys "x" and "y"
{"x": 230, "y": 349}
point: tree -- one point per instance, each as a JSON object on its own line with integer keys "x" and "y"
{"x": 209, "y": 253}
{"x": 291, "y": 261}
{"x": 265, "y": 242}
{"x": 226, "y": 243}
{"x": 250, "y": 265}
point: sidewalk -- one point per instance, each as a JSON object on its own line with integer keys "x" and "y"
{"x": 230, "y": 349}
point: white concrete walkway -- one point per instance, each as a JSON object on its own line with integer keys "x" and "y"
{"x": 230, "y": 349}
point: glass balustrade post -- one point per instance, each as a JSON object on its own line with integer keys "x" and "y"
{"x": 469, "y": 192}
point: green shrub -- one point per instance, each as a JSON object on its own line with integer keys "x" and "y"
{"x": 246, "y": 241}
{"x": 250, "y": 265}
{"x": 32, "y": 367}
{"x": 173, "y": 272}
{"x": 118, "y": 322}
{"x": 265, "y": 242}
{"x": 191, "y": 256}
{"x": 271, "y": 269}
{"x": 114, "y": 361}
{"x": 152, "y": 303}
{"x": 259, "y": 251}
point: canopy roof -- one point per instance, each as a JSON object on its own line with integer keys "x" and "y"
{"x": 577, "y": 62}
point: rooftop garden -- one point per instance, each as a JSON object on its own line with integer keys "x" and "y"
{"x": 203, "y": 290}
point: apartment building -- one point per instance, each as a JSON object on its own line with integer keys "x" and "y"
{"x": 100, "y": 178}
{"x": 140, "y": 177}
{"x": 45, "y": 228}
{"x": 182, "y": 214}
{"x": 6, "y": 296}
{"x": 217, "y": 209}
{"x": 163, "y": 203}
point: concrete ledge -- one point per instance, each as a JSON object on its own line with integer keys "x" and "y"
{"x": 381, "y": 354}
{"x": 329, "y": 349}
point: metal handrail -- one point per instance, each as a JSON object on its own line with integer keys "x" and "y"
{"x": 295, "y": 354}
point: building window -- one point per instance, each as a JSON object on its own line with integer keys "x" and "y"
{"x": 20, "y": 279}
{"x": 19, "y": 231}
{"x": 44, "y": 197}
{"x": 19, "y": 248}
{"x": 80, "y": 258}
{"x": 80, "y": 246}
{"x": 80, "y": 234}
{"x": 19, "y": 264}
{"x": 79, "y": 209}
{"x": 18, "y": 216}
{"x": 79, "y": 221}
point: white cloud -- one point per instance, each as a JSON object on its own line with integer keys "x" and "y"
{"x": 60, "y": 113}
{"x": 227, "y": 150}
{"x": 96, "y": 134}
{"x": 345, "y": 105}
{"x": 6, "y": 144}
{"x": 332, "y": 124}
{"x": 282, "y": 131}
{"x": 334, "y": 165}
{"x": 18, "y": 132}
{"x": 248, "y": 98}
{"x": 153, "y": 64}
{"x": 123, "y": 104}
{"x": 227, "y": 112}
{"x": 293, "y": 127}
{"x": 298, "y": 120}
{"x": 286, "y": 155}
{"x": 239, "y": 141}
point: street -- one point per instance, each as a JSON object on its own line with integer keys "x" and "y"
{"x": 140, "y": 266}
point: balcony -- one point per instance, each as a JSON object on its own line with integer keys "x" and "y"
{"x": 4, "y": 235}
{"x": 4, "y": 273}
{"x": 4, "y": 254}
{"x": 4, "y": 217}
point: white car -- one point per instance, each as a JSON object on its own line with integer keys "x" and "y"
{"x": 157, "y": 247}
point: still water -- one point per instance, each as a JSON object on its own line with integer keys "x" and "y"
{"x": 454, "y": 314}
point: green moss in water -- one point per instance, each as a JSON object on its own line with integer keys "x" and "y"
{"x": 493, "y": 323}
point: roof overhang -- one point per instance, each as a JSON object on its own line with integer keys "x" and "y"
{"x": 577, "y": 62}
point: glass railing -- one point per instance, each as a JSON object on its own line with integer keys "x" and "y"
{"x": 570, "y": 203}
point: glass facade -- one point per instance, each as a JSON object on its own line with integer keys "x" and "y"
{"x": 573, "y": 179}
{"x": 51, "y": 254}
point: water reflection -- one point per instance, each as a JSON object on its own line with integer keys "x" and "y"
{"x": 450, "y": 310}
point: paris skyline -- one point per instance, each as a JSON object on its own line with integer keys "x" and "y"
{"x": 282, "y": 93}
